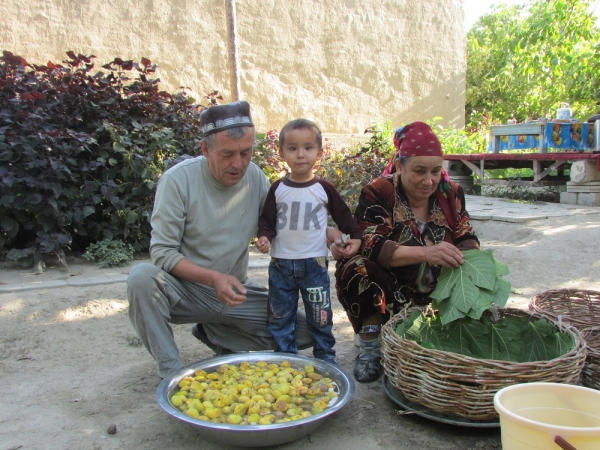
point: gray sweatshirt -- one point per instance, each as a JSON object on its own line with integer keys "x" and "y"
{"x": 197, "y": 218}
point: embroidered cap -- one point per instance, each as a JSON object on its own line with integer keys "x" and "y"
{"x": 222, "y": 117}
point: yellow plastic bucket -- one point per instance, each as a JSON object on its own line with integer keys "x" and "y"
{"x": 548, "y": 416}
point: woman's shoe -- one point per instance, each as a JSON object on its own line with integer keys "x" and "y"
{"x": 368, "y": 361}
{"x": 367, "y": 370}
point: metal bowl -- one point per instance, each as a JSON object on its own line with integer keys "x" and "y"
{"x": 257, "y": 435}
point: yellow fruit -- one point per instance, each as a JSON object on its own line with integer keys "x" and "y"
{"x": 221, "y": 401}
{"x": 212, "y": 413}
{"x": 222, "y": 368}
{"x": 193, "y": 413}
{"x": 284, "y": 388}
{"x": 254, "y": 408}
{"x": 265, "y": 420}
{"x": 281, "y": 405}
{"x": 176, "y": 400}
{"x": 234, "y": 419}
{"x": 285, "y": 398}
{"x": 253, "y": 418}
{"x": 316, "y": 409}
{"x": 197, "y": 405}
{"x": 240, "y": 409}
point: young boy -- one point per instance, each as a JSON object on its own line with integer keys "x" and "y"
{"x": 294, "y": 221}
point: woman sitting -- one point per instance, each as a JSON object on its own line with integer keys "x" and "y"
{"x": 414, "y": 222}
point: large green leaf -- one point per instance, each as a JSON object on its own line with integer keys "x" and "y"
{"x": 449, "y": 313}
{"x": 505, "y": 341}
{"x": 480, "y": 267}
{"x": 465, "y": 294}
{"x": 546, "y": 343}
{"x": 445, "y": 283}
{"x": 472, "y": 288}
{"x": 474, "y": 333}
{"x": 484, "y": 303}
{"x": 502, "y": 293}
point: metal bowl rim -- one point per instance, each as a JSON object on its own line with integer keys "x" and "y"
{"x": 166, "y": 384}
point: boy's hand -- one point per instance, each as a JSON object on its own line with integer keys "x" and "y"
{"x": 263, "y": 245}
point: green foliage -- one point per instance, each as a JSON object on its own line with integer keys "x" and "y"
{"x": 523, "y": 61}
{"x": 456, "y": 141}
{"x": 516, "y": 339}
{"x": 471, "y": 288}
{"x": 350, "y": 170}
{"x": 110, "y": 253}
{"x": 81, "y": 152}
{"x": 266, "y": 155}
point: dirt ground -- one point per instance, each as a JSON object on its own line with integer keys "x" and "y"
{"x": 68, "y": 369}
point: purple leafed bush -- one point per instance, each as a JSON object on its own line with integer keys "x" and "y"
{"x": 81, "y": 151}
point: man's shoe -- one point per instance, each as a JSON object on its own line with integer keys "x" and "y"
{"x": 200, "y": 334}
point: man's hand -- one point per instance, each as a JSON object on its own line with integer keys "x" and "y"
{"x": 229, "y": 290}
{"x": 263, "y": 245}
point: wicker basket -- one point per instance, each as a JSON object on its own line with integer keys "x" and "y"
{"x": 451, "y": 383}
{"x": 580, "y": 308}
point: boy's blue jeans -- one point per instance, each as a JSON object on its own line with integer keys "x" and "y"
{"x": 308, "y": 276}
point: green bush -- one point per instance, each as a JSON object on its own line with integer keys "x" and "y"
{"x": 350, "y": 170}
{"x": 110, "y": 253}
{"x": 266, "y": 155}
{"x": 457, "y": 141}
{"x": 81, "y": 152}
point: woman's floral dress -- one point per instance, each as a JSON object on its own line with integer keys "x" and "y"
{"x": 365, "y": 283}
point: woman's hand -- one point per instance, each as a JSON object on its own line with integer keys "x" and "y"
{"x": 348, "y": 249}
{"x": 444, "y": 255}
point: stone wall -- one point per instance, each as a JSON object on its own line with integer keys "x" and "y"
{"x": 342, "y": 63}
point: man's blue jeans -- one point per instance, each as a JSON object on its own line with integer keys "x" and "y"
{"x": 308, "y": 276}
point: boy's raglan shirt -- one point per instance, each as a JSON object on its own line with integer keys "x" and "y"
{"x": 294, "y": 218}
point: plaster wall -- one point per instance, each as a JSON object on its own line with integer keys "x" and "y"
{"x": 342, "y": 63}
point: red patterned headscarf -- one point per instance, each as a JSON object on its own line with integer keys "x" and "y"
{"x": 418, "y": 139}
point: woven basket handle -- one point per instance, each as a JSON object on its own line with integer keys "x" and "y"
{"x": 563, "y": 444}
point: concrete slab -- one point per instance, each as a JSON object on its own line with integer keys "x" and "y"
{"x": 506, "y": 210}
